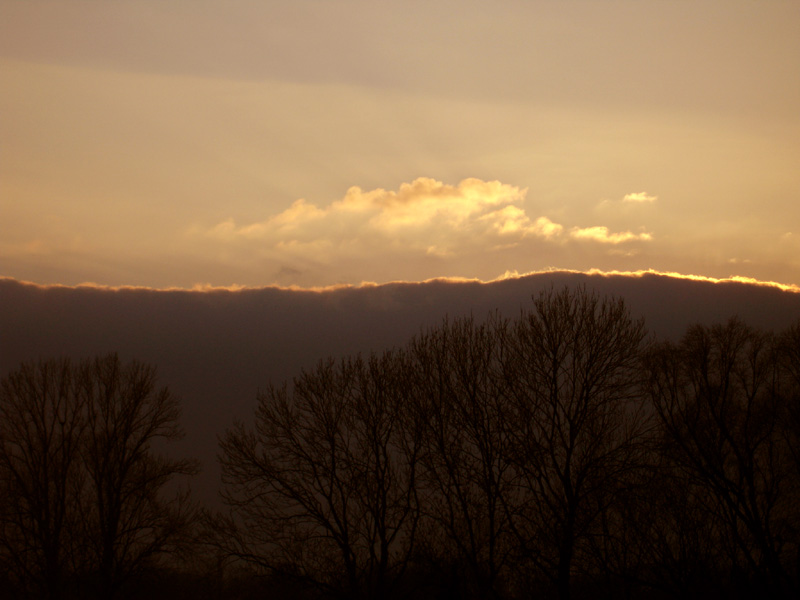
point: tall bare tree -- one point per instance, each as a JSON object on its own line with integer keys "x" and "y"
{"x": 325, "y": 486}
{"x": 468, "y": 474}
{"x": 128, "y": 518}
{"x": 83, "y": 488}
{"x": 660, "y": 535}
{"x": 41, "y": 430}
{"x": 572, "y": 371}
{"x": 789, "y": 357}
{"x": 720, "y": 400}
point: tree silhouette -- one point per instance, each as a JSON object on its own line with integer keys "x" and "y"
{"x": 546, "y": 455}
{"x": 572, "y": 368}
{"x": 41, "y": 430}
{"x": 719, "y": 398}
{"x": 789, "y": 356}
{"x": 658, "y": 535}
{"x": 82, "y": 486}
{"x": 325, "y": 486}
{"x": 468, "y": 474}
{"x": 126, "y": 518}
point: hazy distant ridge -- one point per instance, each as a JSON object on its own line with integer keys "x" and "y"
{"x": 215, "y": 349}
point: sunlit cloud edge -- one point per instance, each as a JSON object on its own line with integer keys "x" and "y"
{"x": 234, "y": 288}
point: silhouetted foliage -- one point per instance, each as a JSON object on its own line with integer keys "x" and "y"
{"x": 789, "y": 356}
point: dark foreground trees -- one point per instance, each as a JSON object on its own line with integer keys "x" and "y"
{"x": 41, "y": 427}
{"x": 556, "y": 455}
{"x": 468, "y": 475}
{"x": 571, "y": 371}
{"x": 324, "y": 489}
{"x": 486, "y": 451}
{"x": 724, "y": 397}
{"x": 82, "y": 490}
{"x": 128, "y": 518}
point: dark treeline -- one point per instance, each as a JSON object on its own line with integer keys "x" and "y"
{"x": 561, "y": 454}
{"x": 84, "y": 504}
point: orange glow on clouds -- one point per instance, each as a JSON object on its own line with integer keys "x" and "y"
{"x": 639, "y": 197}
{"x": 601, "y": 234}
{"x": 207, "y": 287}
{"x": 283, "y": 142}
{"x": 425, "y": 216}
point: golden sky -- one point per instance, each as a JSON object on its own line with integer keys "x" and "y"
{"x": 313, "y": 143}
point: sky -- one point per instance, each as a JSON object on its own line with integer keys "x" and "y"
{"x": 315, "y": 143}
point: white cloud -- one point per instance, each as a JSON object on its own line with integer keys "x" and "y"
{"x": 546, "y": 228}
{"x": 424, "y": 217}
{"x": 639, "y": 198}
{"x": 422, "y": 229}
{"x": 604, "y": 236}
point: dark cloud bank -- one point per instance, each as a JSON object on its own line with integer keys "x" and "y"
{"x": 216, "y": 349}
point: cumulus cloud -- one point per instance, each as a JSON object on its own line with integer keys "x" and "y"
{"x": 639, "y": 198}
{"x": 604, "y": 236}
{"x": 425, "y": 228}
{"x": 425, "y": 216}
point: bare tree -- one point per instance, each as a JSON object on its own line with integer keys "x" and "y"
{"x": 128, "y": 520}
{"x": 789, "y": 357}
{"x": 468, "y": 474}
{"x": 572, "y": 373}
{"x": 83, "y": 487}
{"x": 719, "y": 398}
{"x": 659, "y": 535}
{"x": 325, "y": 487}
{"x": 41, "y": 428}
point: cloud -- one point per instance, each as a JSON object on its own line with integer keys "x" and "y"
{"x": 424, "y": 217}
{"x": 639, "y": 198}
{"x": 422, "y": 229}
{"x": 604, "y": 236}
{"x": 546, "y": 228}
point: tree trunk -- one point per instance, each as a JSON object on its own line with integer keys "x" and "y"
{"x": 565, "y": 566}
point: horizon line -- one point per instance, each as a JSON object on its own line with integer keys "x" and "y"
{"x": 208, "y": 287}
